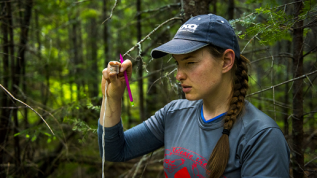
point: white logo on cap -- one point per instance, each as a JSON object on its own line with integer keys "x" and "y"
{"x": 188, "y": 27}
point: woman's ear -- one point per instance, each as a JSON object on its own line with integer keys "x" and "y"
{"x": 228, "y": 60}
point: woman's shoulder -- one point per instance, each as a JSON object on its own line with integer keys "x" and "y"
{"x": 254, "y": 121}
{"x": 181, "y": 104}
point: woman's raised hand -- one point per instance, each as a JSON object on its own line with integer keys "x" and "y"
{"x": 116, "y": 82}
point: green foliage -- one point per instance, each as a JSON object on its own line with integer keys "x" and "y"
{"x": 268, "y": 25}
{"x": 91, "y": 106}
{"x": 34, "y": 134}
{"x": 266, "y": 2}
{"x": 275, "y": 28}
{"x": 90, "y": 13}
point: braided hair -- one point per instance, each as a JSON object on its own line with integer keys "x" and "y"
{"x": 219, "y": 157}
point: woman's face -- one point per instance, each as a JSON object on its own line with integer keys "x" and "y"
{"x": 200, "y": 74}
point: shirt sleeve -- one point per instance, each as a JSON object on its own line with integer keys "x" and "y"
{"x": 122, "y": 146}
{"x": 266, "y": 155}
{"x": 156, "y": 123}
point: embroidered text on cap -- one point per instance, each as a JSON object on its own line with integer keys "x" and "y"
{"x": 188, "y": 27}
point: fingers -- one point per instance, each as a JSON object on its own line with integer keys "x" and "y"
{"x": 115, "y": 80}
{"x": 111, "y": 76}
{"x": 105, "y": 75}
{"x": 126, "y": 66}
{"x": 110, "y": 73}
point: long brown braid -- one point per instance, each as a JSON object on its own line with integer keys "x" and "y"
{"x": 219, "y": 157}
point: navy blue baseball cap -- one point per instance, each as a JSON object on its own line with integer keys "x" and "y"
{"x": 200, "y": 31}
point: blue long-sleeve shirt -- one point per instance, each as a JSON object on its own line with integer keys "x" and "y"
{"x": 122, "y": 146}
{"x": 257, "y": 145}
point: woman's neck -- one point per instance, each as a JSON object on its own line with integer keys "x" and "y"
{"x": 218, "y": 103}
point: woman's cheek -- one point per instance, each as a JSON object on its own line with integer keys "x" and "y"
{"x": 200, "y": 78}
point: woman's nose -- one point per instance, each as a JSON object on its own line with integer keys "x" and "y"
{"x": 180, "y": 75}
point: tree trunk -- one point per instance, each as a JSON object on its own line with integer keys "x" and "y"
{"x": 214, "y": 5}
{"x": 152, "y": 93}
{"x": 93, "y": 87}
{"x": 76, "y": 70}
{"x": 80, "y": 79}
{"x": 25, "y": 23}
{"x": 286, "y": 90}
{"x": 231, "y": 9}
{"x": 286, "y": 101}
{"x": 152, "y": 98}
{"x": 311, "y": 119}
{"x": 71, "y": 56}
{"x": 44, "y": 89}
{"x": 11, "y": 47}
{"x": 297, "y": 119}
{"x": 140, "y": 63}
{"x": 22, "y": 49}
{"x": 106, "y": 34}
{"x": 195, "y": 7}
{"x": 5, "y": 112}
{"x": 14, "y": 59}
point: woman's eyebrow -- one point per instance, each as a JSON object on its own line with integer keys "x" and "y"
{"x": 187, "y": 57}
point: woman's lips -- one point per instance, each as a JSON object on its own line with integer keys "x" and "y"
{"x": 186, "y": 88}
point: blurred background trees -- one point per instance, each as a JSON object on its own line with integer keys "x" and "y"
{"x": 53, "y": 52}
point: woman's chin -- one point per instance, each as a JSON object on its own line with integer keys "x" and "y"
{"x": 191, "y": 98}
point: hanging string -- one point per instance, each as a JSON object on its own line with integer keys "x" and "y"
{"x": 103, "y": 132}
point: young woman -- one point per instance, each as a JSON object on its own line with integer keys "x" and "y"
{"x": 214, "y": 132}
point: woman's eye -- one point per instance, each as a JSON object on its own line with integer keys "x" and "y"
{"x": 190, "y": 62}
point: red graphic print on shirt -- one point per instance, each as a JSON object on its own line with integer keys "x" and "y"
{"x": 171, "y": 165}
{"x": 183, "y": 173}
{"x": 184, "y": 157}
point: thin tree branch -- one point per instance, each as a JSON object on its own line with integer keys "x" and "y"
{"x": 138, "y": 166}
{"x": 146, "y": 164}
{"x": 158, "y": 37}
{"x": 10, "y": 55}
{"x": 114, "y": 6}
{"x": 280, "y": 55}
{"x": 297, "y": 78}
{"x": 160, "y": 78}
{"x": 147, "y": 36}
{"x": 160, "y": 8}
{"x": 311, "y": 51}
{"x": 311, "y": 83}
{"x": 253, "y": 38}
{"x": 277, "y": 103}
{"x": 256, "y": 50}
{"x": 310, "y": 161}
{"x": 26, "y": 106}
{"x": 81, "y": 1}
{"x": 154, "y": 72}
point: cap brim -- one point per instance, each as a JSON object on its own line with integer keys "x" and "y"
{"x": 177, "y": 46}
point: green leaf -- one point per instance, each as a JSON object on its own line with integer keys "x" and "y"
{"x": 49, "y": 140}
{"x": 75, "y": 128}
{"x": 16, "y": 134}
{"x": 33, "y": 138}
{"x": 49, "y": 135}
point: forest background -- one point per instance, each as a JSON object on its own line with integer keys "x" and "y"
{"x": 53, "y": 52}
